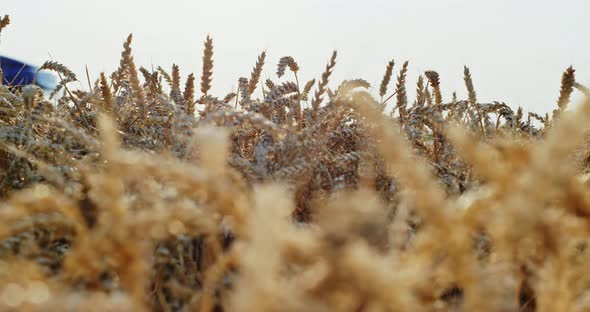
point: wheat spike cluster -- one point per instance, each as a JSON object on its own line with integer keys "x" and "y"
{"x": 144, "y": 193}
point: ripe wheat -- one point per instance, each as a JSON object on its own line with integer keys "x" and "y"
{"x": 134, "y": 196}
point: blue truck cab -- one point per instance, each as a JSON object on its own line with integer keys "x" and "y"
{"x": 16, "y": 73}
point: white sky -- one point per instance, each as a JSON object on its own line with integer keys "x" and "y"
{"x": 516, "y": 49}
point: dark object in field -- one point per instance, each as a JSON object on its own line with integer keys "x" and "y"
{"x": 17, "y": 73}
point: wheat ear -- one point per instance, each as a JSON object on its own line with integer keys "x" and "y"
{"x": 434, "y": 80}
{"x": 207, "y": 66}
{"x": 189, "y": 94}
{"x": 386, "y": 79}
{"x": 401, "y": 96}
{"x": 473, "y": 96}
{"x": 128, "y": 63}
{"x": 568, "y": 81}
{"x": 317, "y": 100}
{"x": 256, "y": 72}
{"x": 107, "y": 96}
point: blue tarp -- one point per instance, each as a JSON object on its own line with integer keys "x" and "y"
{"x": 17, "y": 73}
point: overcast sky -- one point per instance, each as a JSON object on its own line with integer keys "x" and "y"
{"x": 516, "y": 49}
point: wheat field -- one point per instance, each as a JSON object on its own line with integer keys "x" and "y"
{"x": 144, "y": 194}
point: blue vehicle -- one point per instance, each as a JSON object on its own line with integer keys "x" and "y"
{"x": 16, "y": 73}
